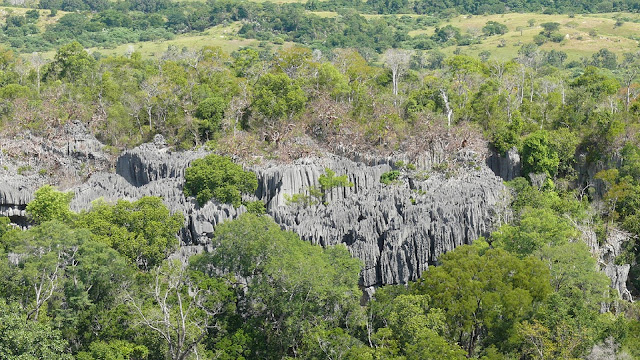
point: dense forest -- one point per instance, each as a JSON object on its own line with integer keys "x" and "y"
{"x": 106, "y": 283}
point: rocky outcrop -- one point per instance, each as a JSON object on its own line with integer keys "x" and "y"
{"x": 606, "y": 254}
{"x": 154, "y": 161}
{"x": 15, "y": 193}
{"x": 199, "y": 221}
{"x": 397, "y": 230}
{"x": 506, "y": 166}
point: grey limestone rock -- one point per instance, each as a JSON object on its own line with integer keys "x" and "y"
{"x": 397, "y": 230}
{"x": 15, "y": 193}
{"x": 506, "y": 166}
{"x": 606, "y": 254}
{"x": 153, "y": 161}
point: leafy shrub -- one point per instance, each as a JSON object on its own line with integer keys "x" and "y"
{"x": 50, "y": 204}
{"x": 210, "y": 112}
{"x": 494, "y": 28}
{"x": 218, "y": 177}
{"x": 538, "y": 155}
{"x": 303, "y": 200}
{"x": 390, "y": 177}
{"x": 329, "y": 180}
{"x": 256, "y": 207}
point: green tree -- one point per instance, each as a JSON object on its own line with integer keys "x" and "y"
{"x": 144, "y": 231}
{"x": 210, "y": 112}
{"x": 218, "y": 177}
{"x": 549, "y": 27}
{"x": 21, "y": 339}
{"x": 72, "y": 63}
{"x": 45, "y": 252}
{"x": 596, "y": 83}
{"x": 535, "y": 229}
{"x": 293, "y": 287}
{"x": 50, "y": 204}
{"x": 494, "y": 28}
{"x": 276, "y": 97}
{"x": 406, "y": 325}
{"x": 484, "y": 293}
{"x": 180, "y": 305}
{"x": 329, "y": 180}
{"x": 538, "y": 155}
{"x": 604, "y": 58}
{"x": 114, "y": 350}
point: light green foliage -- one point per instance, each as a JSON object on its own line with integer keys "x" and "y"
{"x": 538, "y": 155}
{"x": 333, "y": 80}
{"x": 535, "y": 229}
{"x": 293, "y": 286}
{"x": 50, "y": 204}
{"x": 244, "y": 60}
{"x": 143, "y": 231}
{"x": 390, "y": 177}
{"x": 218, "y": 177}
{"x": 329, "y": 180}
{"x": 256, "y": 207}
{"x": 21, "y": 339}
{"x": 4, "y": 225}
{"x": 484, "y": 292}
{"x": 409, "y": 327}
{"x": 303, "y": 200}
{"x": 277, "y": 97}
{"x": 114, "y": 350}
{"x": 574, "y": 273}
{"x": 596, "y": 83}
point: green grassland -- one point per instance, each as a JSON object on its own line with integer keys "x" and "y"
{"x": 223, "y": 36}
{"x": 577, "y": 43}
{"x": 584, "y": 34}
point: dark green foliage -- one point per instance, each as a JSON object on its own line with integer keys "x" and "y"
{"x": 303, "y": 287}
{"x": 71, "y": 62}
{"x": 389, "y": 177}
{"x": 475, "y": 286}
{"x": 494, "y": 28}
{"x": 23, "y": 339}
{"x": 604, "y": 59}
{"x": 210, "y": 112}
{"x": 549, "y": 28}
{"x": 218, "y": 177}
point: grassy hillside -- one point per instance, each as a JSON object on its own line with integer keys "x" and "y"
{"x": 222, "y": 36}
{"x": 584, "y": 34}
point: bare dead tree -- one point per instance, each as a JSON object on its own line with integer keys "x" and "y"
{"x": 397, "y": 61}
{"x": 38, "y": 62}
{"x": 175, "y": 308}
